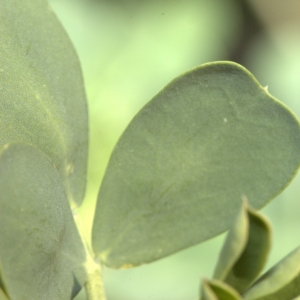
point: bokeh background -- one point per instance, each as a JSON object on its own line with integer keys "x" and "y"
{"x": 129, "y": 50}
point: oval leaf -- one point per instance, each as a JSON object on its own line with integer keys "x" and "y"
{"x": 178, "y": 172}
{"x": 41, "y": 90}
{"x": 245, "y": 251}
{"x": 41, "y": 254}
{"x": 280, "y": 282}
{"x": 217, "y": 290}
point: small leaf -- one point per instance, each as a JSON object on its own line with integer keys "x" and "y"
{"x": 218, "y": 290}
{"x": 41, "y": 90}
{"x": 41, "y": 254}
{"x": 245, "y": 251}
{"x": 178, "y": 172}
{"x": 206, "y": 292}
{"x": 282, "y": 282}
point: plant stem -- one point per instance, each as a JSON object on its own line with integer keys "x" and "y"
{"x": 94, "y": 285}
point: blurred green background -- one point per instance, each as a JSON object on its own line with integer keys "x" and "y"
{"x": 129, "y": 50}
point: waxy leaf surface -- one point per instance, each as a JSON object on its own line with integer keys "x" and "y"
{"x": 41, "y": 253}
{"x": 177, "y": 175}
{"x": 42, "y": 99}
{"x": 245, "y": 251}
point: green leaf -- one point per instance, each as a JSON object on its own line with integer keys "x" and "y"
{"x": 41, "y": 90}
{"x": 2, "y": 295}
{"x": 207, "y": 293}
{"x": 282, "y": 282}
{"x": 178, "y": 172}
{"x": 217, "y": 290}
{"x": 245, "y": 251}
{"x": 41, "y": 254}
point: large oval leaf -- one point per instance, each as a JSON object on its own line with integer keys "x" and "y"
{"x": 41, "y": 90}
{"x": 41, "y": 253}
{"x": 177, "y": 174}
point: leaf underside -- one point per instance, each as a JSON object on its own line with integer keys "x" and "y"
{"x": 177, "y": 175}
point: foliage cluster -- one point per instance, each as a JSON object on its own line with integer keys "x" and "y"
{"x": 175, "y": 178}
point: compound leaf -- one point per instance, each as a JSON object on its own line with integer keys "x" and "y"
{"x": 41, "y": 90}
{"x": 177, "y": 175}
{"x": 41, "y": 253}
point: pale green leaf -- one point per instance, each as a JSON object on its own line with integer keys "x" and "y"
{"x": 282, "y": 282}
{"x": 41, "y": 90}
{"x": 41, "y": 253}
{"x": 245, "y": 251}
{"x": 218, "y": 290}
{"x": 177, "y": 175}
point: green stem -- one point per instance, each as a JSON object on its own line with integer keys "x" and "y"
{"x": 94, "y": 285}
